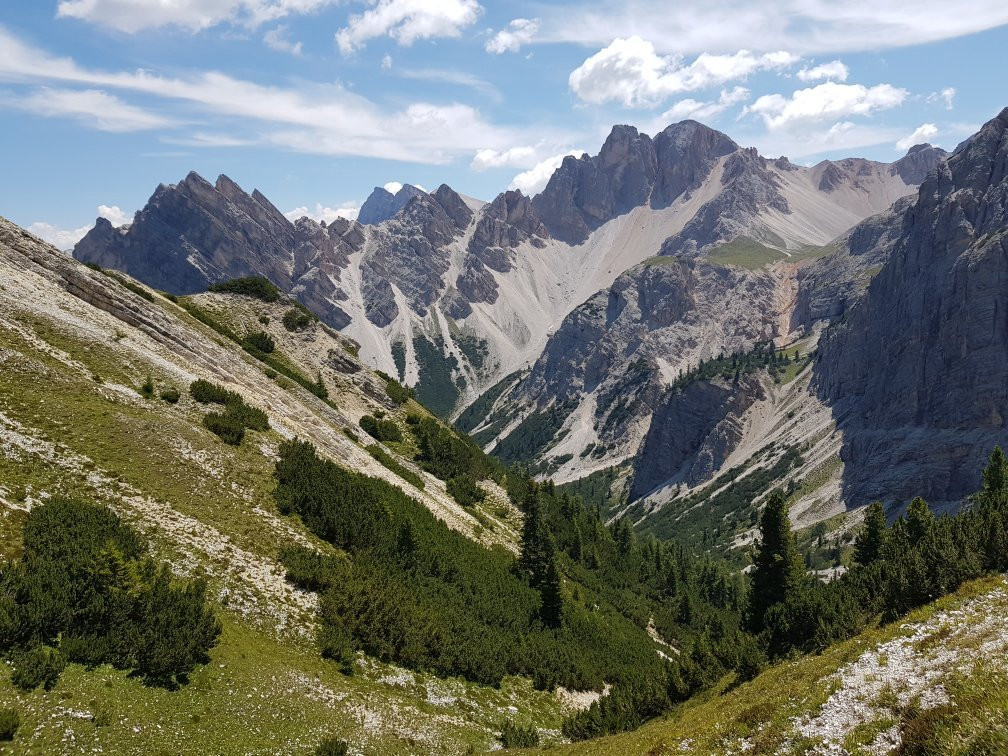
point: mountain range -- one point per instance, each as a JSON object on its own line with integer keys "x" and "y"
{"x": 690, "y": 339}
{"x": 556, "y": 327}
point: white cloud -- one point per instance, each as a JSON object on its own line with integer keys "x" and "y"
{"x": 631, "y": 72}
{"x": 825, "y": 102}
{"x": 947, "y": 95}
{"x": 510, "y": 39}
{"x": 278, "y": 39}
{"x": 515, "y": 156}
{"x": 393, "y": 187}
{"x": 923, "y": 133}
{"x": 114, "y": 215}
{"x": 322, "y": 213}
{"x": 834, "y": 70}
{"x": 841, "y": 136}
{"x": 386, "y": 63}
{"x": 97, "y": 109}
{"x": 193, "y": 15}
{"x": 313, "y": 118}
{"x": 406, "y": 21}
{"x": 65, "y": 239}
{"x": 694, "y": 109}
{"x": 452, "y": 76}
{"x": 534, "y": 180}
{"x": 60, "y": 238}
{"x": 801, "y": 26}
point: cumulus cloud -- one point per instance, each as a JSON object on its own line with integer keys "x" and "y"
{"x": 279, "y": 40}
{"x": 114, "y": 215}
{"x": 322, "y": 213}
{"x": 393, "y": 187}
{"x": 923, "y": 133}
{"x": 534, "y": 180}
{"x": 825, "y": 102}
{"x": 65, "y": 239}
{"x": 695, "y": 109}
{"x": 511, "y": 38}
{"x": 192, "y": 15}
{"x": 834, "y": 70}
{"x": 515, "y": 156}
{"x": 93, "y": 107}
{"x": 313, "y": 118}
{"x": 946, "y": 96}
{"x": 61, "y": 238}
{"x": 386, "y": 63}
{"x": 406, "y": 21}
{"x": 629, "y": 71}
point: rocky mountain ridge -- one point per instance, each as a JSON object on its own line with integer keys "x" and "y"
{"x": 452, "y": 294}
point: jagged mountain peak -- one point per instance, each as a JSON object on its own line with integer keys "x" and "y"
{"x": 382, "y": 204}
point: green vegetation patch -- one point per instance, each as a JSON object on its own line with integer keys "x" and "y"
{"x": 394, "y": 465}
{"x": 535, "y": 434}
{"x": 437, "y": 389}
{"x": 258, "y": 287}
{"x": 479, "y": 410}
{"x": 84, "y": 590}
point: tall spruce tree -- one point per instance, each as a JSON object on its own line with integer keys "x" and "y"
{"x": 552, "y": 598}
{"x": 995, "y": 478}
{"x": 779, "y": 571}
{"x": 537, "y": 547}
{"x": 871, "y": 540}
{"x": 919, "y": 521}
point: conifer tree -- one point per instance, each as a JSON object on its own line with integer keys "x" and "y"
{"x": 995, "y": 478}
{"x": 919, "y": 521}
{"x": 537, "y": 547}
{"x": 552, "y": 598}
{"x": 870, "y": 541}
{"x": 778, "y": 572}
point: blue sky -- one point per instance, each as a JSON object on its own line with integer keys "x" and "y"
{"x": 314, "y": 102}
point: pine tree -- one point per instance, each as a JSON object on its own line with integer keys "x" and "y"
{"x": 871, "y": 540}
{"x": 552, "y": 598}
{"x": 778, "y": 572}
{"x": 995, "y": 478}
{"x": 537, "y": 547}
{"x": 919, "y": 521}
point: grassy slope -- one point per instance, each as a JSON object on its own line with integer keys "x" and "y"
{"x": 208, "y": 510}
{"x": 954, "y": 636}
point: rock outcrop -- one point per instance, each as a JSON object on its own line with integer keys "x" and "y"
{"x": 917, "y": 373}
{"x": 692, "y": 432}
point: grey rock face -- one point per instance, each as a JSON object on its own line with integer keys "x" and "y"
{"x": 504, "y": 224}
{"x": 501, "y": 226}
{"x": 453, "y": 205}
{"x": 692, "y": 432}
{"x": 411, "y": 254}
{"x": 193, "y": 234}
{"x": 613, "y": 346}
{"x": 919, "y": 161}
{"x": 828, "y": 287}
{"x": 749, "y": 188}
{"x": 631, "y": 170}
{"x": 381, "y": 204}
{"x": 918, "y": 373}
{"x": 684, "y": 153}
